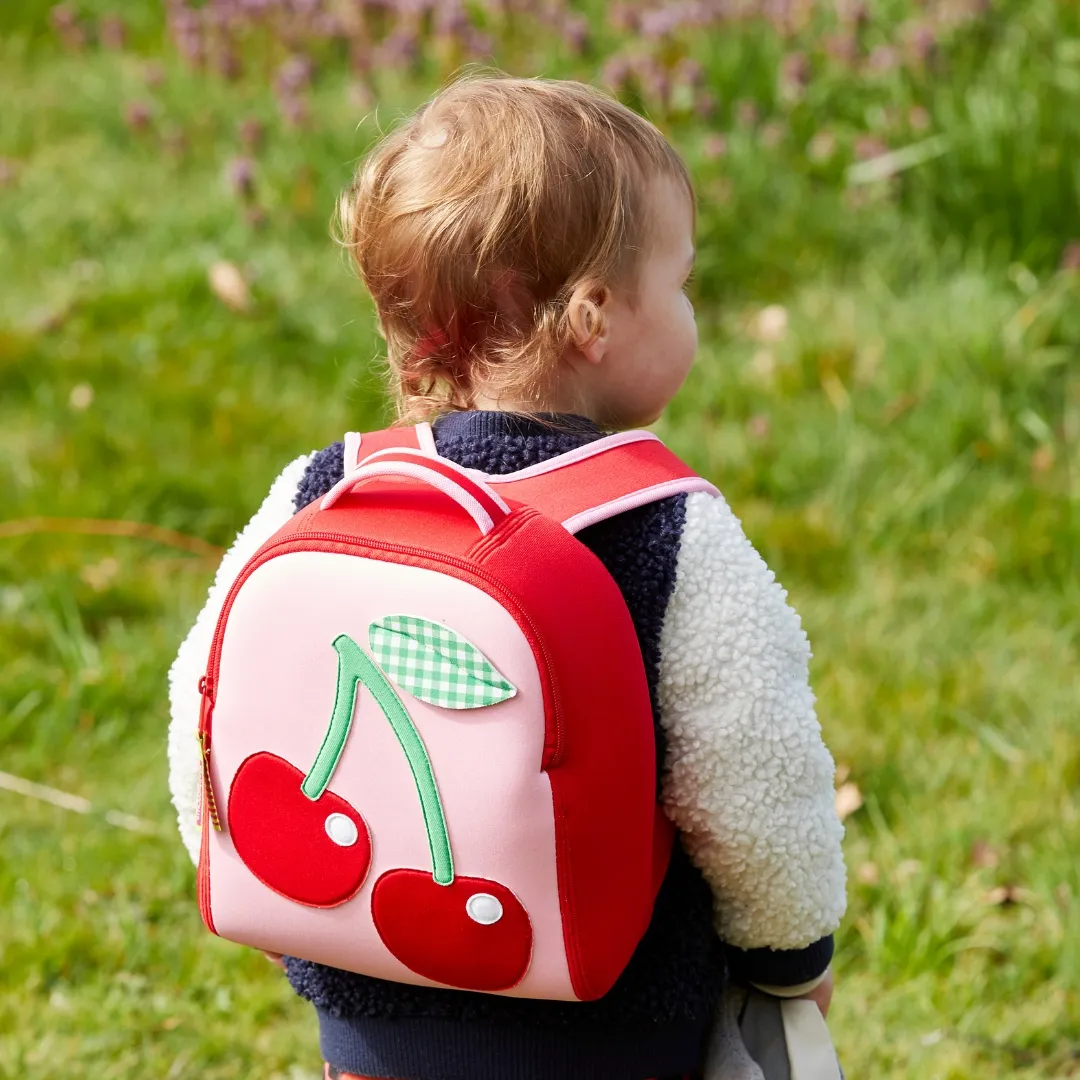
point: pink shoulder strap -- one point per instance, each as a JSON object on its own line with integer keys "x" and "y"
{"x": 601, "y": 479}
{"x": 580, "y": 488}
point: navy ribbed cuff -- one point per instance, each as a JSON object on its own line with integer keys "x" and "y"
{"x": 780, "y": 967}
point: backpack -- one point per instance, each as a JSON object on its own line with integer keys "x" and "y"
{"x": 426, "y": 733}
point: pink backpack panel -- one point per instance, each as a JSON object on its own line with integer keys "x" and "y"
{"x": 433, "y": 757}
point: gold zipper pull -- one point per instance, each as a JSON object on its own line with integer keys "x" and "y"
{"x": 204, "y": 754}
{"x": 208, "y": 787}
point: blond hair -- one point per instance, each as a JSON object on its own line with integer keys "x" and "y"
{"x": 474, "y": 221}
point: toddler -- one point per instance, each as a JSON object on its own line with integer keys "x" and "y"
{"x": 527, "y": 244}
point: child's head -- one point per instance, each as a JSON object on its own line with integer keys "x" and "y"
{"x": 527, "y": 243}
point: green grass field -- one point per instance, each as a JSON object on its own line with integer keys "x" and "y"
{"x": 888, "y": 392}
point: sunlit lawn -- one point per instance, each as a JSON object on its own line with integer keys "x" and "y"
{"x": 898, "y": 432}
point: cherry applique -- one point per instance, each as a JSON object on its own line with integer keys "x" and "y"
{"x": 472, "y": 933}
{"x": 314, "y": 852}
{"x": 467, "y": 932}
{"x": 294, "y": 834}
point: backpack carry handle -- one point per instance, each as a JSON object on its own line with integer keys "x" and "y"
{"x": 475, "y": 497}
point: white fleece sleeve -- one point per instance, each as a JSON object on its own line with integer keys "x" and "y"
{"x": 748, "y": 779}
{"x": 185, "y": 767}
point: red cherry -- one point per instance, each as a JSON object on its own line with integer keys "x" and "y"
{"x": 473, "y": 934}
{"x": 316, "y": 852}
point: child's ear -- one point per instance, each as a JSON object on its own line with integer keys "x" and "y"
{"x": 588, "y": 313}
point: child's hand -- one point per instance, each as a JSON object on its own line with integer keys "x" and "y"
{"x": 275, "y": 958}
{"x": 821, "y": 995}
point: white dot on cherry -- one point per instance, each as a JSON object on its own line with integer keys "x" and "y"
{"x": 342, "y": 830}
{"x": 484, "y": 908}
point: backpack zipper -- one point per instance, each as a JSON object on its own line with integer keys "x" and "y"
{"x": 206, "y": 709}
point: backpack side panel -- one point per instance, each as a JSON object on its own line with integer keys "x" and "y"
{"x": 600, "y": 753}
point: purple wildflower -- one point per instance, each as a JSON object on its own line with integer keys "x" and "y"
{"x": 575, "y": 33}
{"x": 360, "y": 56}
{"x": 867, "y": 147}
{"x": 360, "y": 95}
{"x": 67, "y": 27}
{"x": 616, "y": 73}
{"x": 689, "y": 72}
{"x": 450, "y": 19}
{"x": 477, "y": 44}
{"x": 794, "y": 76}
{"x": 746, "y": 112}
{"x": 240, "y": 176}
{"x": 660, "y": 22}
{"x": 294, "y": 75}
{"x": 853, "y": 13}
{"x": 704, "y": 105}
{"x": 923, "y": 43}
{"x": 1070, "y": 258}
{"x": 843, "y": 48}
{"x": 186, "y": 30}
{"x": 957, "y": 12}
{"x": 227, "y": 64}
{"x": 293, "y": 111}
{"x": 112, "y": 32}
{"x": 62, "y": 17}
{"x": 918, "y": 118}
{"x": 758, "y": 427}
{"x": 400, "y": 48}
{"x": 623, "y": 18}
{"x": 778, "y": 13}
{"x": 714, "y": 145}
{"x": 327, "y": 25}
{"x": 251, "y": 133}
{"x": 137, "y": 115}
{"x": 655, "y": 81}
{"x": 883, "y": 59}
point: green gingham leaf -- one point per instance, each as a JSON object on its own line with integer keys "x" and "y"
{"x": 436, "y": 664}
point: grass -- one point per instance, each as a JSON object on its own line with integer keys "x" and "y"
{"x": 901, "y": 442}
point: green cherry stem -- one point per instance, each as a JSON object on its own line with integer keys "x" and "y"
{"x": 349, "y": 675}
{"x": 355, "y": 667}
{"x": 415, "y": 753}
